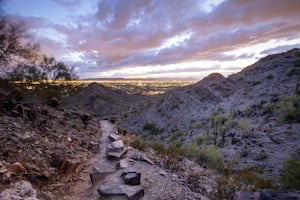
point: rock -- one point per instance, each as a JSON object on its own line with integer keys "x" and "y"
{"x": 244, "y": 195}
{"x": 64, "y": 163}
{"x": 131, "y": 192}
{"x": 22, "y": 190}
{"x": 132, "y": 178}
{"x": 123, "y": 164}
{"x": 267, "y": 194}
{"x": 144, "y": 158}
{"x": 54, "y": 102}
{"x": 69, "y": 165}
{"x": 116, "y": 150}
{"x": 96, "y": 175}
{"x": 118, "y": 145}
{"x": 115, "y": 155}
{"x": 85, "y": 118}
{"x": 17, "y": 93}
{"x": 114, "y": 137}
{"x": 9, "y": 104}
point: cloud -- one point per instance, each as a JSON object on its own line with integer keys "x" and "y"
{"x": 119, "y": 33}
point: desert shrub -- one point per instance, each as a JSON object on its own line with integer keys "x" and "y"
{"x": 192, "y": 150}
{"x": 139, "y": 144}
{"x": 255, "y": 82}
{"x": 203, "y": 139}
{"x": 245, "y": 125}
{"x": 160, "y": 148}
{"x": 289, "y": 109}
{"x": 197, "y": 126}
{"x": 175, "y": 135}
{"x": 249, "y": 179}
{"x": 211, "y": 155}
{"x": 269, "y": 76}
{"x": 290, "y": 174}
{"x": 294, "y": 71}
{"x": 297, "y": 63}
{"x": 151, "y": 127}
{"x": 268, "y": 108}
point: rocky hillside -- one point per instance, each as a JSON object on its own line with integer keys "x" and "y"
{"x": 252, "y": 117}
{"x": 101, "y": 101}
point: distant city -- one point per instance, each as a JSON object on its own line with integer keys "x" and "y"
{"x": 142, "y": 86}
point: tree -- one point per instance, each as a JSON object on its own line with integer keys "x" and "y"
{"x": 55, "y": 70}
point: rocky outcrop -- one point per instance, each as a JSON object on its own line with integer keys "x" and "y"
{"x": 22, "y": 190}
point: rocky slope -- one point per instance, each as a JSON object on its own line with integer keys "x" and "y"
{"x": 252, "y": 116}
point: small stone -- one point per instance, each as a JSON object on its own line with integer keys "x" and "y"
{"x": 114, "y": 137}
{"x": 123, "y": 164}
{"x": 118, "y": 145}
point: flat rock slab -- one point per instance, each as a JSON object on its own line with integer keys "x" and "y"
{"x": 98, "y": 175}
{"x": 114, "y": 137}
{"x": 131, "y": 192}
{"x": 111, "y": 155}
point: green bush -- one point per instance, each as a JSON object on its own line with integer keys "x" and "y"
{"x": 139, "y": 144}
{"x": 290, "y": 174}
{"x": 211, "y": 155}
{"x": 289, "y": 109}
{"x": 269, "y": 76}
{"x": 151, "y": 128}
{"x": 203, "y": 139}
{"x": 160, "y": 148}
{"x": 192, "y": 150}
{"x": 177, "y": 134}
{"x": 246, "y": 126}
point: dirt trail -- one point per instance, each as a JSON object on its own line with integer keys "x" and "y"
{"x": 158, "y": 182}
{"x": 83, "y": 190}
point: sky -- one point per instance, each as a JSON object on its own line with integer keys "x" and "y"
{"x": 159, "y": 38}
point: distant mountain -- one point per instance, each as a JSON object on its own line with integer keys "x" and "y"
{"x": 252, "y": 100}
{"x": 101, "y": 101}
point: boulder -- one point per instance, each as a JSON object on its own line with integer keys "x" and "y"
{"x": 131, "y": 192}
{"x": 54, "y": 102}
{"x": 85, "y": 118}
{"x": 96, "y": 175}
{"x": 267, "y": 194}
{"x": 132, "y": 178}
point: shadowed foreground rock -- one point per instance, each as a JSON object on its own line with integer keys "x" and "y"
{"x": 131, "y": 192}
{"x": 268, "y": 194}
{"x": 21, "y": 190}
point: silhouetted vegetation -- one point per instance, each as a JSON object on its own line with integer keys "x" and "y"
{"x": 25, "y": 62}
{"x": 290, "y": 174}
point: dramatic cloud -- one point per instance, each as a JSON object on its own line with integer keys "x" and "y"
{"x": 110, "y": 35}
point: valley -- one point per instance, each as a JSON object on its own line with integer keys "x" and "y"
{"x": 234, "y": 137}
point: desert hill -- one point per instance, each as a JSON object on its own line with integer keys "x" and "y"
{"x": 251, "y": 116}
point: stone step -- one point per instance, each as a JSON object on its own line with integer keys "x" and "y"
{"x": 131, "y": 192}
